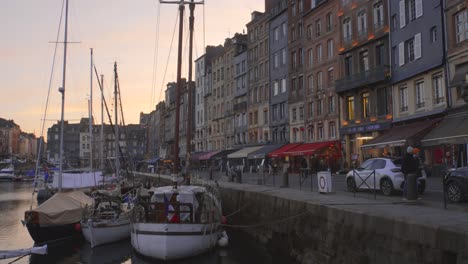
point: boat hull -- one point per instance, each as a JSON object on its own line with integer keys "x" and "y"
{"x": 105, "y": 231}
{"x": 173, "y": 241}
{"x": 45, "y": 234}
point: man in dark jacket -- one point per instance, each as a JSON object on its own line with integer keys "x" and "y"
{"x": 410, "y": 167}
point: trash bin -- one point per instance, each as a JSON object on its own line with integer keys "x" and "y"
{"x": 324, "y": 182}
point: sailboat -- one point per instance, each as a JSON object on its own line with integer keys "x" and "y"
{"x": 174, "y": 222}
{"x": 59, "y": 216}
{"x": 108, "y": 221}
{"x": 8, "y": 173}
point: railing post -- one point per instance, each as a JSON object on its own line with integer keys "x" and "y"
{"x": 375, "y": 191}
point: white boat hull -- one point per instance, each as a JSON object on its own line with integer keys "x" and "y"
{"x": 173, "y": 241}
{"x": 105, "y": 231}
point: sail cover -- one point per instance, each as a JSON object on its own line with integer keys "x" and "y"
{"x": 63, "y": 208}
{"x": 72, "y": 180}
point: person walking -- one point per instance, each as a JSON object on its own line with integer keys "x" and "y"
{"x": 304, "y": 168}
{"x": 410, "y": 168}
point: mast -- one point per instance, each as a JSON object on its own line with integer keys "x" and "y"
{"x": 189, "y": 89}
{"x": 117, "y": 153}
{"x": 102, "y": 123}
{"x": 181, "y": 4}
{"x": 62, "y": 91}
{"x": 91, "y": 117}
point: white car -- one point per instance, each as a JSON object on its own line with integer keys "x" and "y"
{"x": 388, "y": 176}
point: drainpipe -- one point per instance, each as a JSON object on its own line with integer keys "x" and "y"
{"x": 444, "y": 59}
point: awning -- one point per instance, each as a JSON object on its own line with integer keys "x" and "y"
{"x": 460, "y": 75}
{"x": 208, "y": 155}
{"x": 452, "y": 130}
{"x": 398, "y": 135}
{"x": 197, "y": 155}
{"x": 308, "y": 149}
{"x": 223, "y": 153}
{"x": 262, "y": 152}
{"x": 280, "y": 152}
{"x": 242, "y": 153}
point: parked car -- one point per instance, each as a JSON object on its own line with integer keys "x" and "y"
{"x": 456, "y": 184}
{"x": 388, "y": 176}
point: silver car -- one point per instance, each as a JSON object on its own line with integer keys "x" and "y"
{"x": 388, "y": 176}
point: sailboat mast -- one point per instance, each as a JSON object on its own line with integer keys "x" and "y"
{"x": 91, "y": 116}
{"x": 189, "y": 89}
{"x": 102, "y": 123}
{"x": 62, "y": 91}
{"x": 117, "y": 153}
{"x": 178, "y": 88}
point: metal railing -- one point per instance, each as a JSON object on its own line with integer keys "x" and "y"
{"x": 365, "y": 77}
{"x": 364, "y": 179}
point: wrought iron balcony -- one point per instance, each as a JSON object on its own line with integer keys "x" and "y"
{"x": 242, "y": 106}
{"x": 374, "y": 75}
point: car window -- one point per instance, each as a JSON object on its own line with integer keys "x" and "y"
{"x": 378, "y": 164}
{"x": 367, "y": 165}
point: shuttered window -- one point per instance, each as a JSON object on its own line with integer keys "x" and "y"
{"x": 402, "y": 14}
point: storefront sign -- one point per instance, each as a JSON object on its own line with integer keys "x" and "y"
{"x": 365, "y": 128}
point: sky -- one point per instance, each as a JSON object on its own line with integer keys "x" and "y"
{"x": 134, "y": 33}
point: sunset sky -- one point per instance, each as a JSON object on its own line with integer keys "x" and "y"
{"x": 117, "y": 30}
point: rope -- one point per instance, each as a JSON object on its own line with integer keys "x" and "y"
{"x": 19, "y": 258}
{"x": 168, "y": 57}
{"x": 47, "y": 103}
{"x": 155, "y": 57}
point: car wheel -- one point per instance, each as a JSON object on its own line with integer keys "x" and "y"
{"x": 351, "y": 185}
{"x": 454, "y": 192}
{"x": 386, "y": 186}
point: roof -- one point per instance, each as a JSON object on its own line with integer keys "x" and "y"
{"x": 398, "y": 135}
{"x": 242, "y": 153}
{"x": 453, "y": 129}
{"x": 262, "y": 152}
{"x": 308, "y": 149}
{"x": 223, "y": 153}
{"x": 280, "y": 152}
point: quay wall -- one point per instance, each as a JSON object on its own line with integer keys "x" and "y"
{"x": 334, "y": 228}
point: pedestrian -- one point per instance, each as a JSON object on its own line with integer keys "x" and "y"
{"x": 304, "y": 167}
{"x": 410, "y": 168}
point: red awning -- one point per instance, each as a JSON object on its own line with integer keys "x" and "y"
{"x": 308, "y": 149}
{"x": 280, "y": 152}
{"x": 208, "y": 155}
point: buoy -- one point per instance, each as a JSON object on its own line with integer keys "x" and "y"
{"x": 77, "y": 227}
{"x": 223, "y": 240}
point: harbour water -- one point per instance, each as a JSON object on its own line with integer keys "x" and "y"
{"x": 15, "y": 198}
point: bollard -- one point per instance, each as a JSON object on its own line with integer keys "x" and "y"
{"x": 285, "y": 180}
{"x": 411, "y": 186}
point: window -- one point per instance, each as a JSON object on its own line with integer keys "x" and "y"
{"x": 276, "y": 60}
{"x": 379, "y": 55}
{"x": 293, "y": 34}
{"x": 394, "y": 23}
{"x": 293, "y": 7}
{"x": 301, "y": 113}
{"x": 331, "y": 104}
{"x": 310, "y": 81}
{"x": 300, "y": 84}
{"x": 329, "y": 22}
{"x": 378, "y": 15}
{"x": 348, "y": 66}
{"x": 299, "y": 30}
{"x": 320, "y": 132}
{"x": 319, "y": 81}
{"x": 284, "y": 56}
{"x": 282, "y": 110}
{"x": 319, "y": 107}
{"x": 276, "y": 33}
{"x": 433, "y": 34}
{"x": 309, "y": 32}
{"x": 409, "y": 44}
{"x": 319, "y": 53}
{"x": 318, "y": 28}
{"x": 330, "y": 48}
{"x": 403, "y": 99}
{"x": 382, "y": 101}
{"x": 350, "y": 107}
{"x": 265, "y": 116}
{"x": 293, "y": 84}
{"x": 332, "y": 130}
{"x": 365, "y": 105}
{"x": 461, "y": 26}
{"x": 284, "y": 28}
{"x": 362, "y": 23}
{"x": 364, "y": 61}
{"x": 419, "y": 85}
{"x": 438, "y": 89}
{"x": 275, "y": 88}
{"x": 311, "y": 133}
{"x": 311, "y": 109}
{"x": 347, "y": 32}
{"x": 411, "y": 9}
{"x": 294, "y": 114}
{"x": 293, "y": 60}
{"x": 275, "y": 112}
{"x": 301, "y": 57}
{"x": 311, "y": 57}
{"x": 331, "y": 76}
{"x": 283, "y": 85}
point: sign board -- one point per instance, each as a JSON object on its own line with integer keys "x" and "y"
{"x": 324, "y": 182}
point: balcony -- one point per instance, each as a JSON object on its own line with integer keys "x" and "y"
{"x": 377, "y": 74}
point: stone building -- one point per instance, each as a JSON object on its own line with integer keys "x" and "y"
{"x": 239, "y": 103}
{"x": 259, "y": 74}
{"x": 9, "y": 138}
